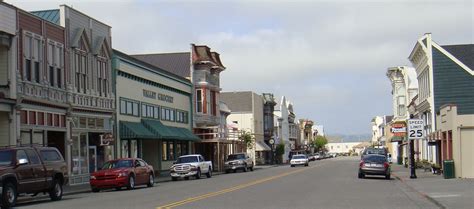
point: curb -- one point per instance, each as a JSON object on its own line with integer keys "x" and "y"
{"x": 432, "y": 200}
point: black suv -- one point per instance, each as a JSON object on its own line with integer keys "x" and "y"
{"x": 31, "y": 170}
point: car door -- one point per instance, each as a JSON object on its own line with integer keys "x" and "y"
{"x": 202, "y": 165}
{"x": 39, "y": 170}
{"x": 140, "y": 172}
{"x": 25, "y": 172}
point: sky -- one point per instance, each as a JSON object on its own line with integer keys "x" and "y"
{"x": 329, "y": 58}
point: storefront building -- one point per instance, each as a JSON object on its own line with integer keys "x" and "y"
{"x": 154, "y": 112}
{"x": 8, "y": 68}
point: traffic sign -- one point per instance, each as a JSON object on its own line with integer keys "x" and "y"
{"x": 415, "y": 129}
{"x": 272, "y": 141}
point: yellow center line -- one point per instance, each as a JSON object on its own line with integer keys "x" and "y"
{"x": 231, "y": 189}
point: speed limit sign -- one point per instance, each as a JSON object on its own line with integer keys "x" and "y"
{"x": 415, "y": 128}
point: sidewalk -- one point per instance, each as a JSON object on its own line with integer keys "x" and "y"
{"x": 164, "y": 177}
{"x": 446, "y": 193}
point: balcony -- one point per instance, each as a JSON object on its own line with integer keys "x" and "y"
{"x": 42, "y": 92}
{"x": 202, "y": 120}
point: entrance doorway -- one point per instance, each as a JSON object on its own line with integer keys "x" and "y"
{"x": 56, "y": 139}
{"x": 92, "y": 159}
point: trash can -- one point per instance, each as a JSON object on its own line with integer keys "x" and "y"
{"x": 448, "y": 169}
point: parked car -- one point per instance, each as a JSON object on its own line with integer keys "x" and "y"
{"x": 311, "y": 157}
{"x": 374, "y": 164}
{"x": 332, "y": 155}
{"x": 374, "y": 151}
{"x": 238, "y": 161}
{"x": 125, "y": 172}
{"x": 317, "y": 156}
{"x": 31, "y": 170}
{"x": 190, "y": 165}
{"x": 299, "y": 160}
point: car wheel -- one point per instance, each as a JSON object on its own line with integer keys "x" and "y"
{"x": 9, "y": 195}
{"x": 245, "y": 168}
{"x": 387, "y": 176}
{"x": 131, "y": 183}
{"x": 251, "y": 168}
{"x": 151, "y": 180}
{"x": 174, "y": 179}
{"x": 209, "y": 173}
{"x": 198, "y": 174}
{"x": 306, "y": 165}
{"x": 361, "y": 175}
{"x": 95, "y": 190}
{"x": 56, "y": 192}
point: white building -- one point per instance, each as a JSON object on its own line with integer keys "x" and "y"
{"x": 341, "y": 147}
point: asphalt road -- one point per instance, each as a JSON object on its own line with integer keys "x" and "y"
{"x": 330, "y": 183}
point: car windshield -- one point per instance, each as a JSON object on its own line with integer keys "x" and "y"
{"x": 117, "y": 164}
{"x": 236, "y": 157}
{"x": 187, "y": 159}
{"x": 6, "y": 157}
{"x": 375, "y": 158}
{"x": 299, "y": 157}
{"x": 375, "y": 151}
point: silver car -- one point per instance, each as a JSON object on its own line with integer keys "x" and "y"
{"x": 240, "y": 161}
{"x": 299, "y": 160}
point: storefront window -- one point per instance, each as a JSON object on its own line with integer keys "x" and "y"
{"x": 91, "y": 123}
{"x": 25, "y": 137}
{"x": 38, "y": 138}
{"x": 134, "y": 148}
{"x": 171, "y": 151}
{"x": 164, "y": 153}
{"x": 178, "y": 149}
{"x": 124, "y": 148}
{"x": 82, "y": 122}
{"x": 100, "y": 123}
{"x": 78, "y": 155}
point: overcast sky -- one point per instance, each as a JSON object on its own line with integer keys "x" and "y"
{"x": 328, "y": 57}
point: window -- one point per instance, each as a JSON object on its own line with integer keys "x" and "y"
{"x": 51, "y": 75}
{"x": 34, "y": 159}
{"x": 55, "y": 63}
{"x": 102, "y": 76}
{"x": 50, "y": 155}
{"x": 181, "y": 116}
{"x": 21, "y": 154}
{"x": 208, "y": 104}
{"x": 167, "y": 114}
{"x": 81, "y": 67}
{"x": 123, "y": 107}
{"x": 32, "y": 51}
{"x": 37, "y": 71}
{"x": 170, "y": 151}
{"x": 213, "y": 103}
{"x": 164, "y": 153}
{"x": 28, "y": 69}
{"x": 199, "y": 101}
{"x": 129, "y": 107}
{"x": 150, "y": 111}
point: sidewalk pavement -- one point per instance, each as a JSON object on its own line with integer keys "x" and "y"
{"x": 445, "y": 193}
{"x": 164, "y": 177}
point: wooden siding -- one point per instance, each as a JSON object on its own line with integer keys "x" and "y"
{"x": 55, "y": 33}
{"x": 8, "y": 17}
{"x": 30, "y": 23}
{"x": 452, "y": 84}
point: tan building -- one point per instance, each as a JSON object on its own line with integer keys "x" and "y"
{"x": 456, "y": 133}
{"x": 154, "y": 112}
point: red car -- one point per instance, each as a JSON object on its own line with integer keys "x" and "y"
{"x": 125, "y": 172}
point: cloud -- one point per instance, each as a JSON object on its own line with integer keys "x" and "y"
{"x": 328, "y": 57}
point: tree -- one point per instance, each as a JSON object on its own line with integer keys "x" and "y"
{"x": 279, "y": 151}
{"x": 247, "y": 138}
{"x": 319, "y": 142}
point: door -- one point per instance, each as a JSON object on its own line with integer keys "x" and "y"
{"x": 25, "y": 172}
{"x": 140, "y": 172}
{"x": 92, "y": 159}
{"x": 39, "y": 171}
{"x": 467, "y": 156}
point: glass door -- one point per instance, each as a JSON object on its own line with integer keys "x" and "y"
{"x": 92, "y": 159}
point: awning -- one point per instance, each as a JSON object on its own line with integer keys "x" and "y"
{"x": 162, "y": 131}
{"x": 185, "y": 134}
{"x": 261, "y": 146}
{"x": 131, "y": 130}
{"x": 396, "y": 139}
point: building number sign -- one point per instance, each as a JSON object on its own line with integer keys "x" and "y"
{"x": 415, "y": 128}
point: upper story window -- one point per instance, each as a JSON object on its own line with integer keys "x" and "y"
{"x": 129, "y": 107}
{"x": 55, "y": 64}
{"x": 213, "y": 102}
{"x": 167, "y": 114}
{"x": 81, "y": 67}
{"x": 182, "y": 116}
{"x": 102, "y": 74}
{"x": 33, "y": 55}
{"x": 199, "y": 101}
{"x": 150, "y": 111}
{"x": 424, "y": 84}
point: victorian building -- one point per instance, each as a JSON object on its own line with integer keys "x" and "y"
{"x": 287, "y": 129}
{"x": 268, "y": 127}
{"x": 445, "y": 77}
{"x": 85, "y": 86}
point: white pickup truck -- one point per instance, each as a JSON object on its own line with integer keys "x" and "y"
{"x": 190, "y": 165}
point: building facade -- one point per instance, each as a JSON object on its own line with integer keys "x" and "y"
{"x": 8, "y": 75}
{"x": 445, "y": 76}
{"x": 154, "y": 112}
{"x": 268, "y": 127}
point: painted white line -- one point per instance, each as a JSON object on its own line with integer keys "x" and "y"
{"x": 444, "y": 195}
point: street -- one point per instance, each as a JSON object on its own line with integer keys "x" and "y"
{"x": 330, "y": 183}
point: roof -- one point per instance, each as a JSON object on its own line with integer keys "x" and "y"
{"x": 177, "y": 63}
{"x": 238, "y": 101}
{"x": 464, "y": 53}
{"x": 51, "y": 15}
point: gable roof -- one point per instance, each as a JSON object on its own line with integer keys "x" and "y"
{"x": 177, "y": 63}
{"x": 51, "y": 15}
{"x": 464, "y": 53}
{"x": 237, "y": 101}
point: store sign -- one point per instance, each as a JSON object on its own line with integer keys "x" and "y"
{"x": 106, "y": 139}
{"x": 415, "y": 128}
{"x": 154, "y": 95}
{"x": 399, "y": 129}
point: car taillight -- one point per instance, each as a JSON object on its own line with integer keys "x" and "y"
{"x": 361, "y": 164}
{"x": 386, "y": 164}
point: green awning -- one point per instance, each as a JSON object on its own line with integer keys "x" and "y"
{"x": 161, "y": 131}
{"x": 185, "y": 134}
{"x": 131, "y": 130}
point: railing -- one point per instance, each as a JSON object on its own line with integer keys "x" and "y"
{"x": 40, "y": 91}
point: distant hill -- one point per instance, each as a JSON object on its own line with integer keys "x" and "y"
{"x": 334, "y": 138}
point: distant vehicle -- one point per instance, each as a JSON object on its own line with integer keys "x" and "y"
{"x": 317, "y": 156}
{"x": 125, "y": 172}
{"x": 374, "y": 164}
{"x": 389, "y": 158}
{"x": 311, "y": 157}
{"x": 190, "y": 165}
{"x": 333, "y": 154}
{"x": 31, "y": 170}
{"x": 238, "y": 161}
{"x": 299, "y": 160}
{"x": 374, "y": 151}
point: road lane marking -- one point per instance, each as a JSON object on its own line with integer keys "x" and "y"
{"x": 231, "y": 189}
